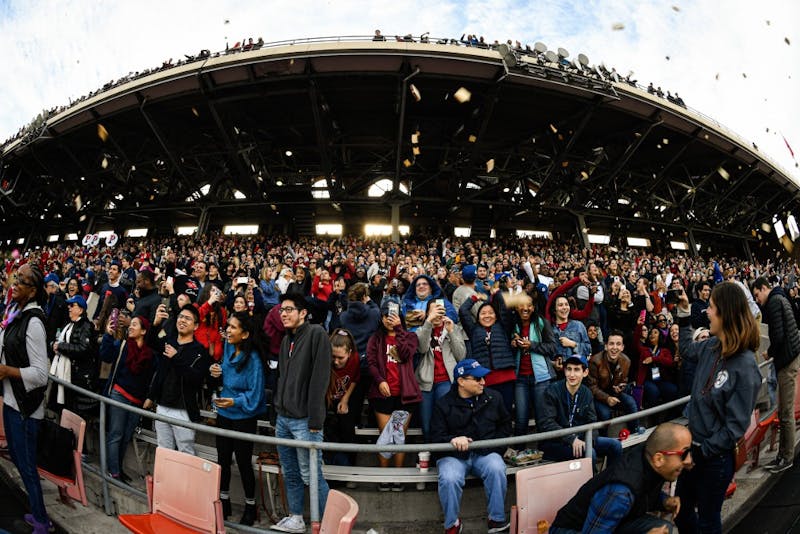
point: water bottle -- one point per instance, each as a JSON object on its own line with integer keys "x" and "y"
{"x": 214, "y": 397}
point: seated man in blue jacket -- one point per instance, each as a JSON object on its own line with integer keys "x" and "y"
{"x": 469, "y": 412}
{"x": 569, "y": 403}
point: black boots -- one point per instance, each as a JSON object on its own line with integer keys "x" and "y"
{"x": 249, "y": 515}
{"x": 226, "y": 508}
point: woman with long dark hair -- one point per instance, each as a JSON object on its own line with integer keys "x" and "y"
{"x": 534, "y": 346}
{"x": 656, "y": 372}
{"x": 23, "y": 371}
{"x": 239, "y": 404}
{"x": 724, "y": 393}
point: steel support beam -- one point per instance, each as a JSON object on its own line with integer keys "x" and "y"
{"x": 556, "y": 161}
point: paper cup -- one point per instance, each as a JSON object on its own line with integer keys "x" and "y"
{"x": 424, "y": 461}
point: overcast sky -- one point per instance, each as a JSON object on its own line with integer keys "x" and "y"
{"x": 734, "y": 60}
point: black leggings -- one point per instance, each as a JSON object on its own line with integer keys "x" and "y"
{"x": 226, "y": 447}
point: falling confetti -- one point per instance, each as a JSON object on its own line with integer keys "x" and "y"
{"x": 584, "y": 175}
{"x": 415, "y": 138}
{"x": 617, "y": 26}
{"x": 195, "y": 112}
{"x": 676, "y": 8}
{"x": 102, "y": 133}
{"x": 472, "y": 138}
{"x": 744, "y": 75}
{"x": 415, "y": 92}
{"x": 667, "y": 57}
{"x": 415, "y": 151}
{"x": 462, "y": 95}
{"x": 407, "y": 162}
{"x": 104, "y": 163}
{"x": 717, "y": 76}
{"x": 553, "y": 129}
{"x": 490, "y": 165}
{"x": 786, "y": 40}
{"x": 722, "y": 172}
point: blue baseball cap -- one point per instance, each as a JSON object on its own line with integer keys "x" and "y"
{"x": 470, "y": 367}
{"x": 577, "y": 358}
{"x": 52, "y": 277}
{"x": 468, "y": 273}
{"x": 77, "y": 299}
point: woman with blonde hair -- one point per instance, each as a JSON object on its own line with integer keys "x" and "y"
{"x": 724, "y": 392}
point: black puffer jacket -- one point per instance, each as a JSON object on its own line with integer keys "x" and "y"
{"x": 481, "y": 417}
{"x": 81, "y": 349}
{"x": 784, "y": 337}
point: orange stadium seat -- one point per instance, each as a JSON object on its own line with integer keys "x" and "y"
{"x": 340, "y": 514}
{"x": 184, "y": 497}
{"x": 71, "y": 487}
{"x": 543, "y": 489}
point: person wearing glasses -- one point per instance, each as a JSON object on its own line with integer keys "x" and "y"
{"x": 23, "y": 371}
{"x": 471, "y": 412}
{"x": 304, "y": 370}
{"x": 621, "y": 498}
{"x": 724, "y": 393}
{"x": 181, "y": 364}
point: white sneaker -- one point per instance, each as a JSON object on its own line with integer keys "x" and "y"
{"x": 291, "y": 523}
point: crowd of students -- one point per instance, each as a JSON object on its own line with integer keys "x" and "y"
{"x": 565, "y": 335}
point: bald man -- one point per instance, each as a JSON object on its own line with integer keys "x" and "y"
{"x": 619, "y": 498}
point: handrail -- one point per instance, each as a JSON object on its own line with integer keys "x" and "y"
{"x": 330, "y": 446}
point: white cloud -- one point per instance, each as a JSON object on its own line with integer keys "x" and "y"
{"x": 55, "y": 50}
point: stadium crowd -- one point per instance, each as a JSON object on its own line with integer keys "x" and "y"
{"x": 563, "y": 334}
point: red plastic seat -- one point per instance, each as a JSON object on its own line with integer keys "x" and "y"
{"x": 341, "y": 511}
{"x": 183, "y": 494}
{"x": 543, "y": 489}
{"x": 71, "y": 487}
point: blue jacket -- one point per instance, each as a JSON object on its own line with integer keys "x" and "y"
{"x": 576, "y": 332}
{"x": 245, "y": 387}
{"x": 411, "y": 302}
{"x": 269, "y": 292}
{"x": 502, "y": 357}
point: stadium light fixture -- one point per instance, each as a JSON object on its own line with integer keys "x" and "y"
{"x": 240, "y": 229}
{"x": 678, "y": 245}
{"x": 638, "y": 242}
{"x": 52, "y": 238}
{"x": 136, "y": 232}
{"x": 462, "y": 231}
{"x": 541, "y": 234}
{"x": 599, "y": 239}
{"x": 186, "y": 230}
{"x": 329, "y": 229}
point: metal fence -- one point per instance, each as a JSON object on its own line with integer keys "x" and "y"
{"x": 107, "y": 481}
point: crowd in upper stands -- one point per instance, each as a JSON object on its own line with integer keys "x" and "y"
{"x": 35, "y": 128}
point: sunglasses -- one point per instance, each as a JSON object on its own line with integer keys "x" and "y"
{"x": 683, "y": 453}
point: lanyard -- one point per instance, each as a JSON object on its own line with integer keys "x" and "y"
{"x": 574, "y": 406}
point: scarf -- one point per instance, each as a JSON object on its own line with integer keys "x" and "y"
{"x": 137, "y": 356}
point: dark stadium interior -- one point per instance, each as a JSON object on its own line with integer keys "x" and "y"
{"x": 562, "y": 144}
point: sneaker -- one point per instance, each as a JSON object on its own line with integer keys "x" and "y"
{"x": 456, "y": 528}
{"x": 291, "y": 523}
{"x": 384, "y": 486}
{"x": 498, "y": 526}
{"x": 397, "y": 487}
{"x": 39, "y": 527}
{"x": 779, "y": 465}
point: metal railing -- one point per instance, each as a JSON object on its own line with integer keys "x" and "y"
{"x": 315, "y": 512}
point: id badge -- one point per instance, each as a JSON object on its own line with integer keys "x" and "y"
{"x": 656, "y": 373}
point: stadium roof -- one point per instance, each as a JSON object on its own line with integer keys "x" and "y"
{"x": 298, "y": 132}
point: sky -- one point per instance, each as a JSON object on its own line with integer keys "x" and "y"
{"x": 737, "y": 61}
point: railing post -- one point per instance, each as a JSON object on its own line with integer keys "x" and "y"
{"x": 313, "y": 487}
{"x": 589, "y": 444}
{"x": 109, "y": 509}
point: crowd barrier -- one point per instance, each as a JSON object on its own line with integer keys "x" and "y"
{"x": 315, "y": 512}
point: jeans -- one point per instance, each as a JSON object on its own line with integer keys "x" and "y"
{"x": 659, "y": 389}
{"x": 227, "y": 447}
{"x": 703, "y": 487}
{"x": 506, "y": 391}
{"x": 626, "y": 402}
{"x": 429, "y": 398}
{"x": 787, "y": 378}
{"x": 174, "y": 436}
{"x": 452, "y": 471}
{"x": 559, "y": 451}
{"x": 295, "y": 463}
{"x": 634, "y": 526}
{"x": 121, "y": 426}
{"x": 21, "y": 434}
{"x": 527, "y": 394}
